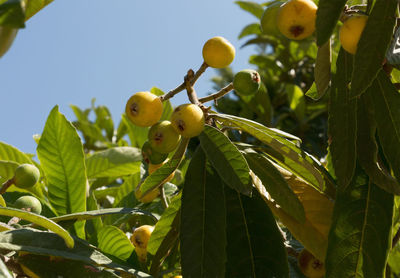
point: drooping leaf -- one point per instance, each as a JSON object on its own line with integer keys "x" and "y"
{"x": 159, "y": 176}
{"x": 34, "y": 6}
{"x": 61, "y": 155}
{"x": 360, "y": 238}
{"x": 328, "y": 14}
{"x": 342, "y": 121}
{"x": 322, "y": 70}
{"x": 226, "y": 159}
{"x": 251, "y": 7}
{"x": 294, "y": 158}
{"x": 254, "y": 242}
{"x": 203, "y": 231}
{"x": 367, "y": 149}
{"x": 386, "y": 101}
{"x": 114, "y": 162}
{"x": 41, "y": 221}
{"x": 113, "y": 241}
{"x": 12, "y": 14}
{"x": 373, "y": 44}
{"x": 275, "y": 185}
{"x": 251, "y": 29}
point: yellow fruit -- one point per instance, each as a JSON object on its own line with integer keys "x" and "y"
{"x": 144, "y": 109}
{"x": 351, "y": 31}
{"x": 148, "y": 197}
{"x": 309, "y": 265}
{"x": 178, "y": 276}
{"x": 163, "y": 138}
{"x": 296, "y": 19}
{"x": 188, "y": 120}
{"x": 141, "y": 236}
{"x": 141, "y": 253}
{"x": 154, "y": 167}
{"x": 218, "y": 52}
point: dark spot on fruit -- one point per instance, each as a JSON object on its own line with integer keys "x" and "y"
{"x": 255, "y": 77}
{"x": 296, "y": 30}
{"x": 181, "y": 125}
{"x": 158, "y": 137}
{"x": 134, "y": 109}
{"x": 317, "y": 264}
{"x": 177, "y": 109}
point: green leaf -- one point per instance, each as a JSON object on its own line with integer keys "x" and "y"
{"x": 367, "y": 149}
{"x": 296, "y": 100}
{"x": 226, "y": 159}
{"x": 127, "y": 190}
{"x": 203, "y": 231}
{"x": 342, "y": 121}
{"x": 61, "y": 155}
{"x": 137, "y": 134}
{"x": 328, "y": 14}
{"x": 251, "y": 7}
{"x": 393, "y": 53}
{"x": 12, "y": 14}
{"x": 373, "y": 44}
{"x": 41, "y": 221}
{"x": 113, "y": 241}
{"x": 34, "y": 6}
{"x": 164, "y": 225}
{"x": 251, "y": 29}
{"x": 294, "y": 158}
{"x": 159, "y": 176}
{"x": 104, "y": 120}
{"x": 255, "y": 244}
{"x": 275, "y": 185}
{"x": 167, "y": 107}
{"x": 386, "y": 101}
{"x": 360, "y": 237}
{"x": 11, "y": 153}
{"x": 322, "y": 70}
{"x": 86, "y": 215}
{"x": 7, "y": 169}
{"x": 114, "y": 162}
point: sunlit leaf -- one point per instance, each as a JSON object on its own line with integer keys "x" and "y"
{"x": 113, "y": 241}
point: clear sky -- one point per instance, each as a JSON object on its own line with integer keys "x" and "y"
{"x": 76, "y": 50}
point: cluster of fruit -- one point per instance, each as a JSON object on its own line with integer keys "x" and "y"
{"x": 295, "y": 19}
{"x": 144, "y": 109}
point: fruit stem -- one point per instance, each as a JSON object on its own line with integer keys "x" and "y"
{"x": 182, "y": 87}
{"x": 6, "y": 185}
{"x": 164, "y": 200}
{"x": 189, "y": 88}
{"x": 218, "y": 94}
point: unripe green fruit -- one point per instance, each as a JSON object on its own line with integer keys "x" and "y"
{"x": 163, "y": 138}
{"x": 152, "y": 156}
{"x": 268, "y": 20}
{"x": 26, "y": 175}
{"x": 246, "y": 82}
{"x": 29, "y": 203}
{"x": 7, "y": 36}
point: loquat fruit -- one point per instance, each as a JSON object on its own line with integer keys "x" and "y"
{"x": 188, "y": 120}
{"x": 218, "y": 52}
{"x": 144, "y": 109}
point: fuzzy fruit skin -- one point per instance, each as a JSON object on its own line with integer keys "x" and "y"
{"x": 246, "y": 82}
{"x": 309, "y": 265}
{"x": 152, "y": 156}
{"x": 7, "y": 36}
{"x": 218, "y": 52}
{"x": 29, "y": 203}
{"x": 296, "y": 19}
{"x": 351, "y": 31}
{"x": 163, "y": 138}
{"x": 188, "y": 120}
{"x": 141, "y": 236}
{"x": 147, "y": 198}
{"x": 154, "y": 167}
{"x": 268, "y": 20}
{"x": 26, "y": 176}
{"x": 144, "y": 109}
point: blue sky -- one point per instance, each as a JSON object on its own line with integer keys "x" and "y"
{"x": 76, "y": 50}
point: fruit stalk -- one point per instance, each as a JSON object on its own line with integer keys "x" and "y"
{"x": 6, "y": 185}
{"x": 189, "y": 88}
{"x": 218, "y": 94}
{"x": 182, "y": 87}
